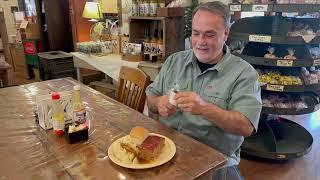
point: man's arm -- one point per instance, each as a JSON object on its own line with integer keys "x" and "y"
{"x": 237, "y": 123}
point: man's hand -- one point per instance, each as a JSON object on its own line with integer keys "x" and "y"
{"x": 164, "y": 107}
{"x": 190, "y": 102}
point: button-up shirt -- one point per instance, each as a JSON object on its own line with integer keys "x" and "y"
{"x": 232, "y": 84}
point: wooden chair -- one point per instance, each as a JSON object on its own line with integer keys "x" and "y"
{"x": 132, "y": 85}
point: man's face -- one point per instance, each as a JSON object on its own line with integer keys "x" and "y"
{"x": 208, "y": 36}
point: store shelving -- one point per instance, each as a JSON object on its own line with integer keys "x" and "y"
{"x": 275, "y": 138}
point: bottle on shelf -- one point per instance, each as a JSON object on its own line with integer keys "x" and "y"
{"x": 146, "y": 45}
{"x": 160, "y": 44}
{"x": 57, "y": 115}
{"x": 147, "y": 8}
{"x": 79, "y": 111}
{"x": 154, "y": 47}
{"x": 142, "y": 8}
{"x": 154, "y": 41}
{"x": 135, "y": 8}
{"x": 153, "y": 7}
{"x": 162, "y": 3}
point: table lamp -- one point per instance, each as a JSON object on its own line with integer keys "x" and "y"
{"x": 92, "y": 11}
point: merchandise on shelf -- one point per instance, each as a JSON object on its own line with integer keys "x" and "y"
{"x": 311, "y": 76}
{"x": 270, "y": 55}
{"x": 300, "y": 29}
{"x": 315, "y": 52}
{"x": 298, "y": 2}
{"x": 290, "y": 54}
{"x": 95, "y": 47}
{"x": 284, "y": 101}
{"x": 276, "y": 77}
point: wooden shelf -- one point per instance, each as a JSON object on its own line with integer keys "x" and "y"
{"x": 274, "y": 38}
{"x": 279, "y": 62}
{"x": 292, "y": 88}
{"x": 147, "y": 18}
{"x": 299, "y": 8}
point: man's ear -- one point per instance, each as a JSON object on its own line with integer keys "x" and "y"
{"x": 226, "y": 34}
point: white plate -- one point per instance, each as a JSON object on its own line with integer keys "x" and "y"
{"x": 167, "y": 153}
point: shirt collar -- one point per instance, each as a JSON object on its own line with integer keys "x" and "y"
{"x": 219, "y": 66}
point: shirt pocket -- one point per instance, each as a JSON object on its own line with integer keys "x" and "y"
{"x": 217, "y": 97}
{"x": 183, "y": 86}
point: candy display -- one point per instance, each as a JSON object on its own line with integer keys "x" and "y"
{"x": 286, "y": 101}
{"x": 290, "y": 54}
{"x": 275, "y": 77}
{"x": 315, "y": 52}
{"x": 300, "y": 29}
{"x": 270, "y": 55}
{"x": 311, "y": 76}
{"x": 297, "y": 2}
{"x": 237, "y": 46}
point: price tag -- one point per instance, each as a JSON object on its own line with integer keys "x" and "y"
{"x": 281, "y": 156}
{"x": 260, "y": 7}
{"x": 272, "y": 87}
{"x": 258, "y": 38}
{"x": 316, "y": 62}
{"x": 287, "y": 63}
{"x": 235, "y": 7}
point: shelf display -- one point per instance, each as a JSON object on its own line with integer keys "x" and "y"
{"x": 289, "y": 104}
{"x": 265, "y": 7}
{"x": 285, "y": 52}
{"x": 160, "y": 36}
{"x": 277, "y": 78}
{"x": 278, "y": 139}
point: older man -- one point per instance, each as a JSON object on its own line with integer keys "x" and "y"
{"x": 219, "y": 101}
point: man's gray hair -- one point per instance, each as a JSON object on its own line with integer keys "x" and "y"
{"x": 217, "y": 8}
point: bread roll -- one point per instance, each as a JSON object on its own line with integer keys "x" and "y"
{"x": 138, "y": 134}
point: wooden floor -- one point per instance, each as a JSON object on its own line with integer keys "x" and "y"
{"x": 303, "y": 168}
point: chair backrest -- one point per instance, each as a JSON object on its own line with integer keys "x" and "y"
{"x": 132, "y": 85}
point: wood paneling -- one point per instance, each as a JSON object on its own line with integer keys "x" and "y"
{"x": 80, "y": 26}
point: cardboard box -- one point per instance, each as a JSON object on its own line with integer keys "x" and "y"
{"x": 30, "y": 30}
{"x": 130, "y": 57}
{"x": 170, "y": 12}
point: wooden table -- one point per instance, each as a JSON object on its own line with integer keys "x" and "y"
{"x": 29, "y": 152}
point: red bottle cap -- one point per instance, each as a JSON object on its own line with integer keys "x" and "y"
{"x": 55, "y": 95}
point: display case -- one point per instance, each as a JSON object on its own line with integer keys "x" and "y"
{"x": 280, "y": 48}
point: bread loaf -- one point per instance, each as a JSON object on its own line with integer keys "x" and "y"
{"x": 151, "y": 147}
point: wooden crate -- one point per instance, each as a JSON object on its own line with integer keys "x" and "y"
{"x": 173, "y": 39}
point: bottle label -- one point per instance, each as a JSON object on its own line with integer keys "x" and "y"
{"x": 134, "y": 9}
{"x": 146, "y": 9}
{"x": 58, "y": 122}
{"x": 80, "y": 117}
{"x": 141, "y": 9}
{"x": 153, "y": 9}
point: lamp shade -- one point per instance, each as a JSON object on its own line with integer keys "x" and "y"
{"x": 92, "y": 11}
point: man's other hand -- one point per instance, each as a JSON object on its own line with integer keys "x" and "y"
{"x": 190, "y": 102}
